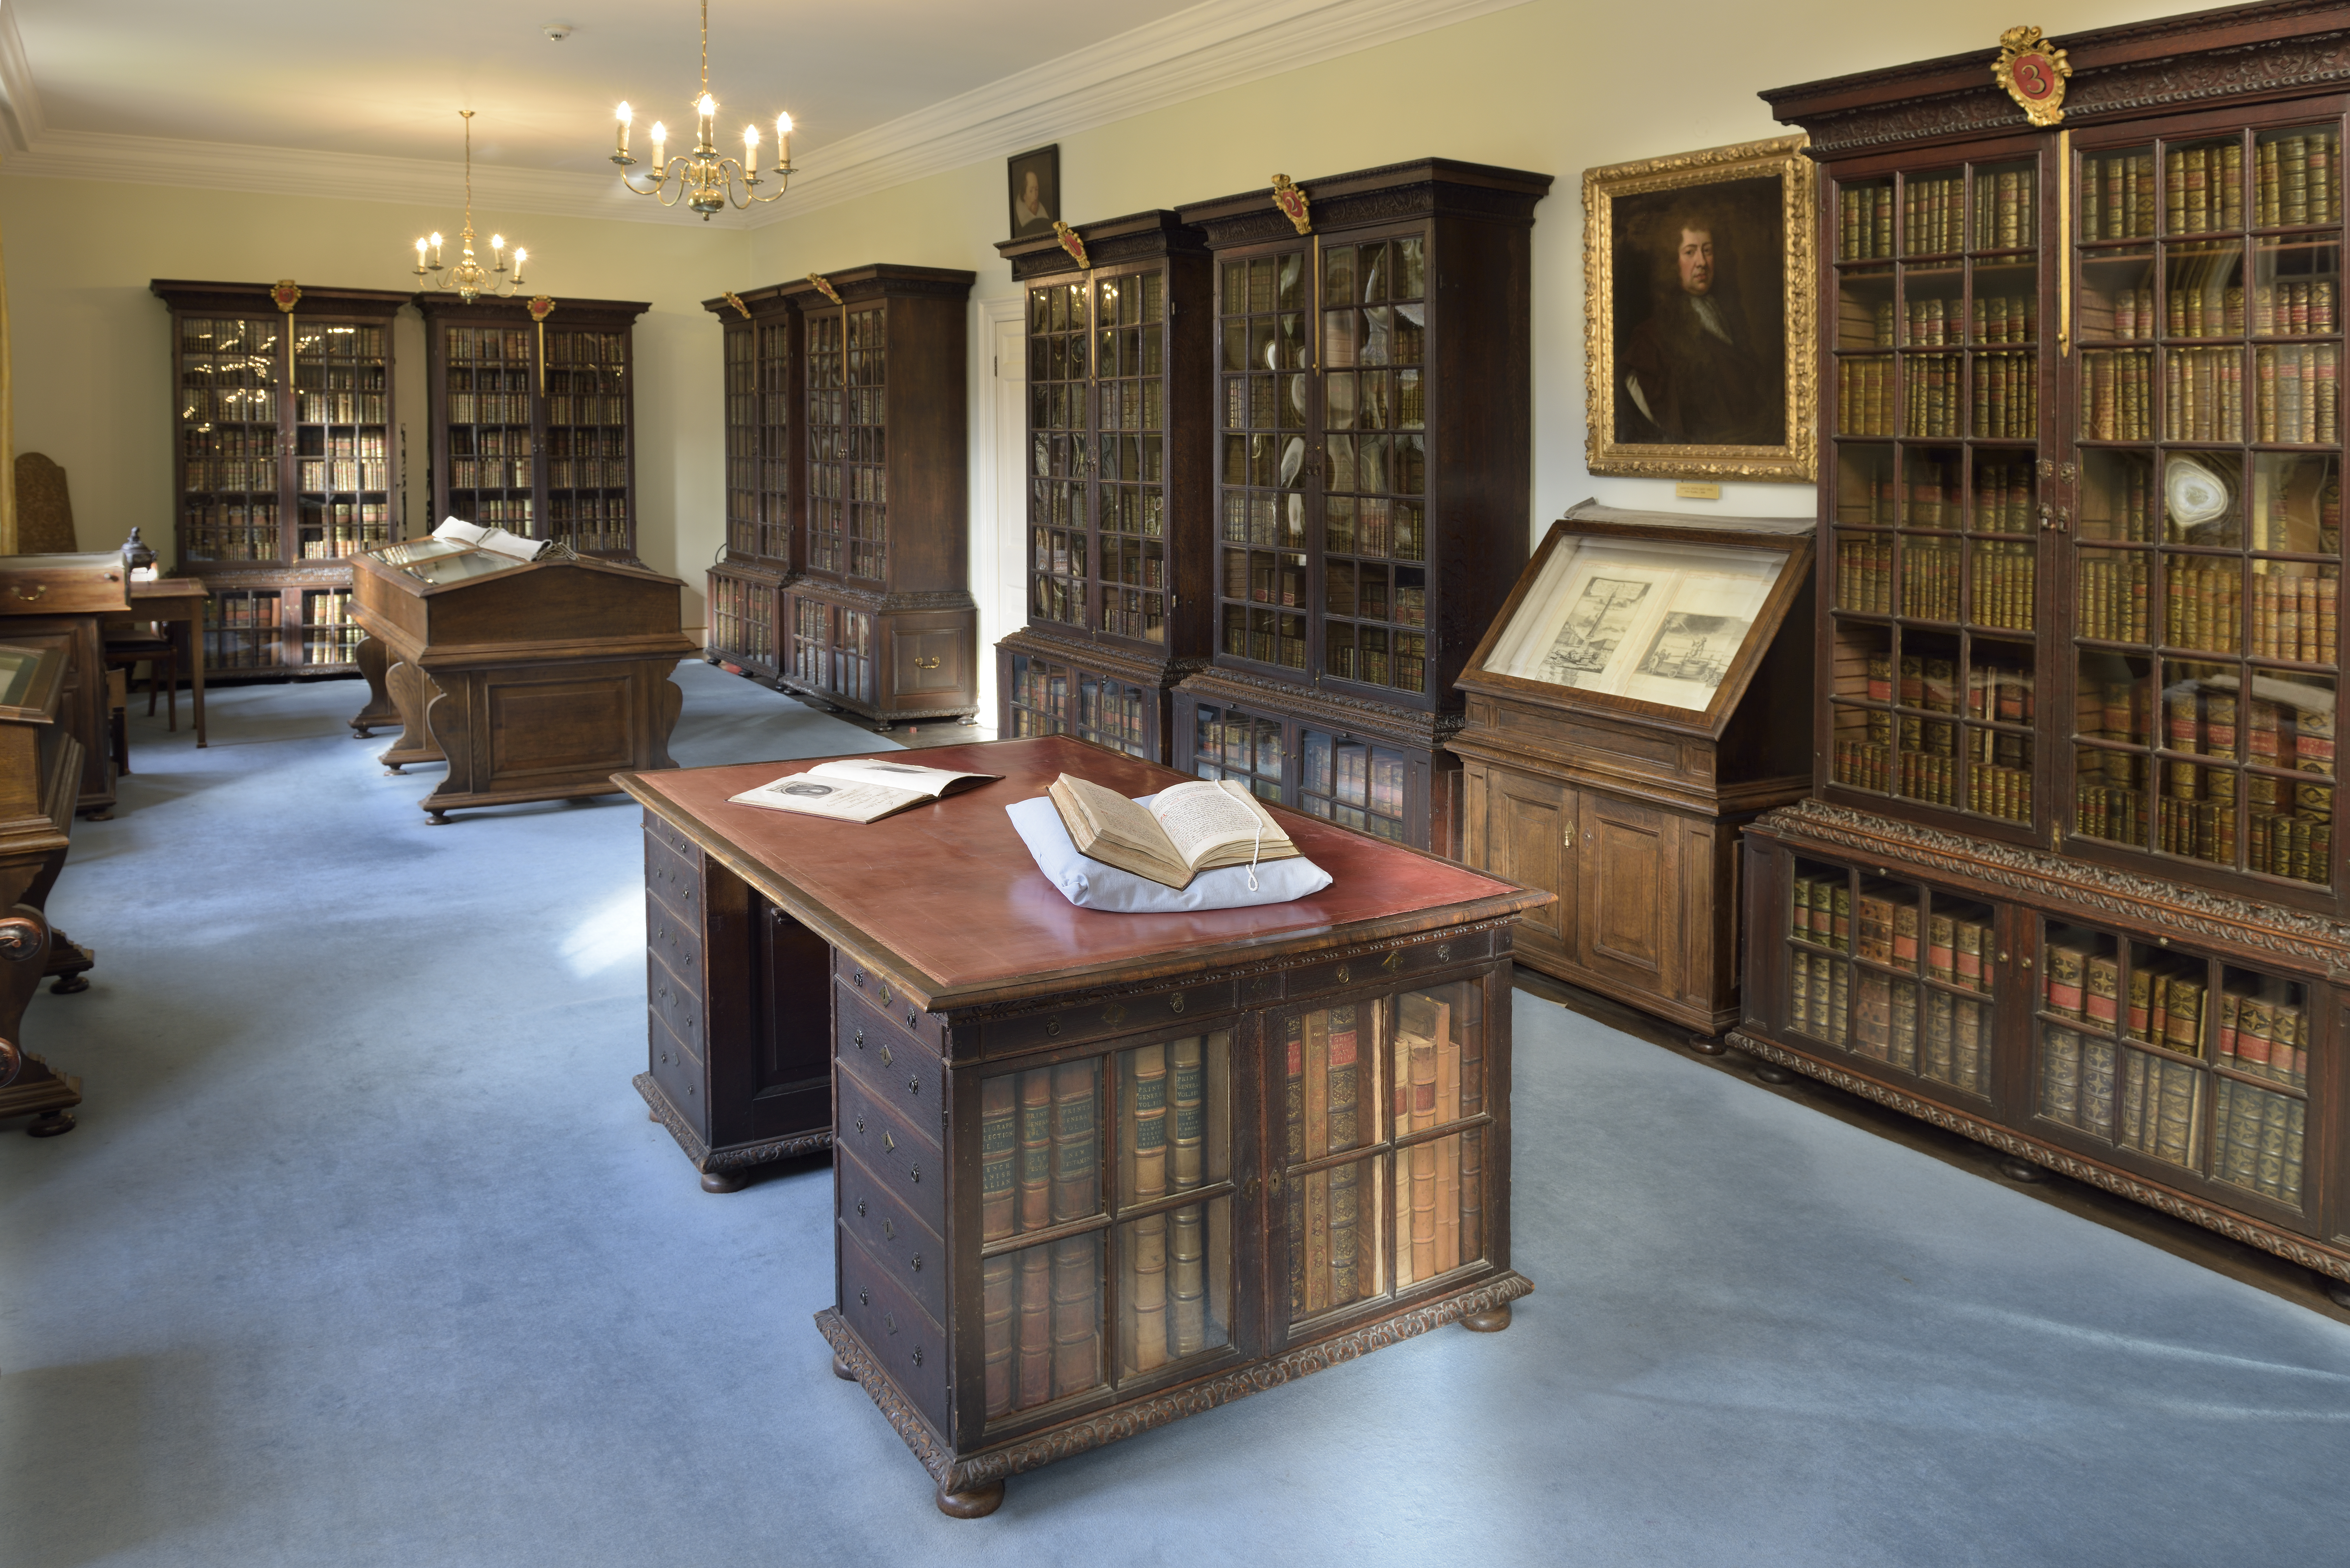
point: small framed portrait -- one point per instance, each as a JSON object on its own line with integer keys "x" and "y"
{"x": 1035, "y": 180}
{"x": 1698, "y": 337}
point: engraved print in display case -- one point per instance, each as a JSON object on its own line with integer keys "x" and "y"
{"x": 1373, "y": 441}
{"x": 287, "y": 462}
{"x": 2081, "y": 641}
{"x": 1642, "y": 696}
{"x": 533, "y": 418}
{"x": 760, "y": 334}
{"x": 1120, "y": 533}
{"x": 878, "y": 617}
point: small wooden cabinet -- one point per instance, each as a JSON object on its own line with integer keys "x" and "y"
{"x": 1373, "y": 410}
{"x": 1120, "y": 538}
{"x": 289, "y": 460}
{"x": 1632, "y": 707}
{"x": 533, "y": 406}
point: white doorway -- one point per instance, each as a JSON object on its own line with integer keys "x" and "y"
{"x": 999, "y": 488}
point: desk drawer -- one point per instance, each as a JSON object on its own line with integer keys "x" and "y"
{"x": 673, "y": 938}
{"x": 674, "y": 879}
{"x": 905, "y": 1158}
{"x": 658, "y": 831}
{"x": 898, "y": 1070}
{"x": 675, "y": 1002}
{"x": 1397, "y": 963}
{"x": 874, "y": 991}
{"x": 910, "y": 1345}
{"x": 892, "y": 1235}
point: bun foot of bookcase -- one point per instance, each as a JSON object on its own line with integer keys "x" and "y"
{"x": 2336, "y": 1290}
{"x": 720, "y": 1180}
{"x": 98, "y": 816}
{"x": 50, "y": 1123}
{"x": 391, "y": 771}
{"x": 1492, "y": 1320}
{"x": 977, "y": 1503}
{"x": 1706, "y": 1044}
{"x": 1771, "y": 1072}
{"x": 67, "y": 984}
{"x": 2021, "y": 1170}
{"x": 841, "y": 1370}
{"x": 436, "y": 819}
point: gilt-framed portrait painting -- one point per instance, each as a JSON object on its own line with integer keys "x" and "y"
{"x": 1699, "y": 329}
{"x": 1035, "y": 179}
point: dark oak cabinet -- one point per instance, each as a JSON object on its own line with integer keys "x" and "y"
{"x": 1373, "y": 411}
{"x": 1120, "y": 539}
{"x": 1641, "y": 697}
{"x": 2071, "y": 883}
{"x": 287, "y": 462}
{"x": 533, "y": 408}
{"x": 847, "y": 558}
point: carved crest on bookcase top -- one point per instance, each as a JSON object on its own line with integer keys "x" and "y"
{"x": 1142, "y": 1415}
{"x": 2040, "y": 878}
{"x": 1418, "y": 199}
{"x": 2284, "y": 65}
{"x": 2282, "y": 1244}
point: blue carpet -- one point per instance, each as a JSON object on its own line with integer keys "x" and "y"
{"x": 364, "y": 1254}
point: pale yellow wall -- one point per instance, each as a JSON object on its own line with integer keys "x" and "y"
{"x": 1551, "y": 85}
{"x": 90, "y": 347}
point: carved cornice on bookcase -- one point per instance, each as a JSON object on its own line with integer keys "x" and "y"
{"x": 2283, "y": 1244}
{"x": 2139, "y": 72}
{"x": 1138, "y": 236}
{"x": 1104, "y": 658}
{"x": 2045, "y": 880}
{"x": 1139, "y": 1416}
{"x": 1200, "y": 49}
{"x": 1438, "y": 185}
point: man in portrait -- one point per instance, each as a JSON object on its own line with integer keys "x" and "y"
{"x": 1031, "y": 211}
{"x": 1696, "y": 371}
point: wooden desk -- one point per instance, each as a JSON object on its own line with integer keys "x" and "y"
{"x": 178, "y": 603}
{"x": 70, "y": 595}
{"x": 1092, "y": 1172}
{"x": 532, "y": 681}
{"x": 40, "y": 762}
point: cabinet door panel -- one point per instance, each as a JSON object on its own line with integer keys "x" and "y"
{"x": 1630, "y": 865}
{"x": 1528, "y": 823}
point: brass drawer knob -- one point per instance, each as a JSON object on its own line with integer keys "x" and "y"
{"x": 913, "y": 1086}
{"x": 918, "y": 1175}
{"x": 913, "y": 1019}
{"x": 860, "y": 1038}
{"x": 918, "y": 1262}
{"x": 918, "y": 1349}
{"x": 861, "y": 1124}
{"x": 1345, "y": 975}
{"x": 860, "y": 1207}
{"x": 862, "y": 1299}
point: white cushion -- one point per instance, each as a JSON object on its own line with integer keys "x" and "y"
{"x": 1090, "y": 885}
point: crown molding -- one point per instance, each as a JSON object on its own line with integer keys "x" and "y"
{"x": 1204, "y": 48}
{"x": 1198, "y": 50}
{"x": 20, "y": 102}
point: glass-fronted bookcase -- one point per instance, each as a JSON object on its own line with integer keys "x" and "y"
{"x": 1373, "y": 412}
{"x": 1119, "y": 534}
{"x": 532, "y": 405}
{"x": 286, "y": 462}
{"x": 2071, "y": 881}
{"x": 760, "y": 351}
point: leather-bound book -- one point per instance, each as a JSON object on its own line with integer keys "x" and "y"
{"x": 1318, "y": 1144}
{"x": 1344, "y": 1118}
{"x": 1036, "y": 1151}
{"x": 1186, "y": 1311}
{"x": 1186, "y": 1106}
{"x": 996, "y": 1290}
{"x": 1187, "y": 1119}
{"x": 1077, "y": 1315}
{"x": 1294, "y": 1150}
{"x": 999, "y": 1139}
{"x": 1034, "y": 1327}
{"x": 1076, "y": 1146}
{"x": 1146, "y": 1128}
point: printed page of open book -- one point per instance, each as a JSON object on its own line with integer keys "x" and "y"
{"x": 1202, "y": 817}
{"x": 1658, "y": 622}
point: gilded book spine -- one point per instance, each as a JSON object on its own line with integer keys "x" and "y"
{"x": 1076, "y": 1284}
{"x": 1187, "y": 1282}
{"x": 1294, "y": 1150}
{"x": 999, "y": 1151}
{"x": 1146, "y": 1118}
{"x": 1343, "y": 1123}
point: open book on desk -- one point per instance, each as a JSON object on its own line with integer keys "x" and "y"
{"x": 1186, "y": 830}
{"x": 494, "y": 539}
{"x": 860, "y": 789}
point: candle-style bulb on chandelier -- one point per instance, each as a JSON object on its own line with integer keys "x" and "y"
{"x": 469, "y": 278}
{"x": 702, "y": 179}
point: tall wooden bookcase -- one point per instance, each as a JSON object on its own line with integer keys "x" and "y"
{"x": 1120, "y": 539}
{"x": 534, "y": 417}
{"x": 2070, "y": 882}
{"x": 877, "y": 616}
{"x": 286, "y": 461}
{"x": 1373, "y": 409}
{"x": 761, "y": 333}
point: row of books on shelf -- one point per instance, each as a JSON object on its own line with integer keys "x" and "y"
{"x": 1994, "y": 692}
{"x": 587, "y": 410}
{"x": 1934, "y": 214}
{"x": 2287, "y": 309}
{"x": 480, "y": 345}
{"x": 1995, "y": 779}
{"x": 586, "y": 472}
{"x": 1132, "y": 613}
{"x": 2259, "y": 1140}
{"x": 232, "y": 334}
{"x": 1353, "y": 773}
{"x": 1040, "y": 1165}
{"x": 2293, "y": 615}
{"x": 841, "y": 407}
{"x": 2001, "y": 502}
{"x": 1935, "y": 323}
{"x": 2203, "y": 395}
{"x": 2160, "y": 1101}
{"x": 331, "y": 645}
{"x": 603, "y": 350}
{"x": 342, "y": 473}
{"x": 2295, "y": 402}
{"x": 2262, "y": 1026}
{"x": 344, "y": 528}
{"x": 2005, "y": 398}
{"x": 211, "y": 475}
{"x": 512, "y": 408}
{"x": 490, "y": 472}
{"x": 2208, "y": 721}
{"x": 339, "y": 409}
{"x": 2005, "y": 579}
{"x": 1957, "y": 950}
{"x": 207, "y": 407}
{"x": 1878, "y": 1016}
{"x": 1323, "y": 1115}
{"x": 511, "y": 513}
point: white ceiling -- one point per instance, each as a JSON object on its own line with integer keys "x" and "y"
{"x": 342, "y": 76}
{"x": 322, "y": 96}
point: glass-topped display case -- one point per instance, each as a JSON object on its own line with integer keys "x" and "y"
{"x": 1119, "y": 537}
{"x": 287, "y": 462}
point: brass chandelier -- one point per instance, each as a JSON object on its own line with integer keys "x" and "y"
{"x": 703, "y": 180}
{"x": 469, "y": 278}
